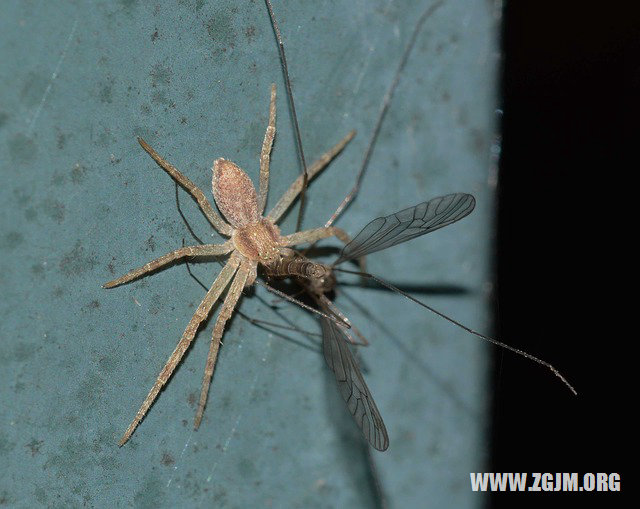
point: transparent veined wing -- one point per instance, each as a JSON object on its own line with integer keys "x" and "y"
{"x": 352, "y": 386}
{"x": 408, "y": 224}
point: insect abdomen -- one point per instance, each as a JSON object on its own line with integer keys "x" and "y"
{"x": 301, "y": 267}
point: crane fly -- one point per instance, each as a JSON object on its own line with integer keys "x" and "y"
{"x": 318, "y": 280}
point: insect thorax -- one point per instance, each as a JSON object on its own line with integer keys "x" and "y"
{"x": 322, "y": 285}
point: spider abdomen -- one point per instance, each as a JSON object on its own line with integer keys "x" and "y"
{"x": 234, "y": 194}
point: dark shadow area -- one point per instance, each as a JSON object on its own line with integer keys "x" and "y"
{"x": 570, "y": 86}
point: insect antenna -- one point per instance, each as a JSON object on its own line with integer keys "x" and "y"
{"x": 296, "y": 129}
{"x": 462, "y": 326}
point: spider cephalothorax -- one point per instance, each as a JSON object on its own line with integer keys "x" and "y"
{"x": 255, "y": 237}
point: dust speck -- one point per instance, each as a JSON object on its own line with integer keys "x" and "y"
{"x": 30, "y": 214}
{"x": 61, "y": 138}
{"x": 77, "y": 261}
{"x": 167, "y": 459}
{"x": 12, "y": 240}
{"x": 78, "y": 173}
{"x": 34, "y": 446}
{"x": 4, "y": 117}
{"x": 54, "y": 209}
{"x": 160, "y": 75}
{"x": 105, "y": 92}
{"x": 22, "y": 149}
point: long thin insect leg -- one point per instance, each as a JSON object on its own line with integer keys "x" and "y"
{"x": 327, "y": 304}
{"x": 187, "y": 337}
{"x": 228, "y": 306}
{"x": 287, "y": 81}
{"x": 464, "y": 327}
{"x": 334, "y": 319}
{"x": 383, "y": 112}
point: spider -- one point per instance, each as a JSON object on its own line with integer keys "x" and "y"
{"x": 253, "y": 239}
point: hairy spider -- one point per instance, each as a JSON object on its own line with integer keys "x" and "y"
{"x": 254, "y": 239}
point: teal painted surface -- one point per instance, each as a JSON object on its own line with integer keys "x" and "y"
{"x": 82, "y": 203}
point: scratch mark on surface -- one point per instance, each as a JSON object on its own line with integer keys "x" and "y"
{"x": 32, "y": 123}
{"x": 180, "y": 458}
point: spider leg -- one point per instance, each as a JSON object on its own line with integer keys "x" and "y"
{"x": 214, "y": 218}
{"x": 316, "y": 234}
{"x": 322, "y": 233}
{"x": 199, "y": 316}
{"x": 205, "y": 250}
{"x": 230, "y": 302}
{"x": 294, "y": 189}
{"x": 265, "y": 155}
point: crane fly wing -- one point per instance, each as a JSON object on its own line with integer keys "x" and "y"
{"x": 352, "y": 386}
{"x": 408, "y": 224}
